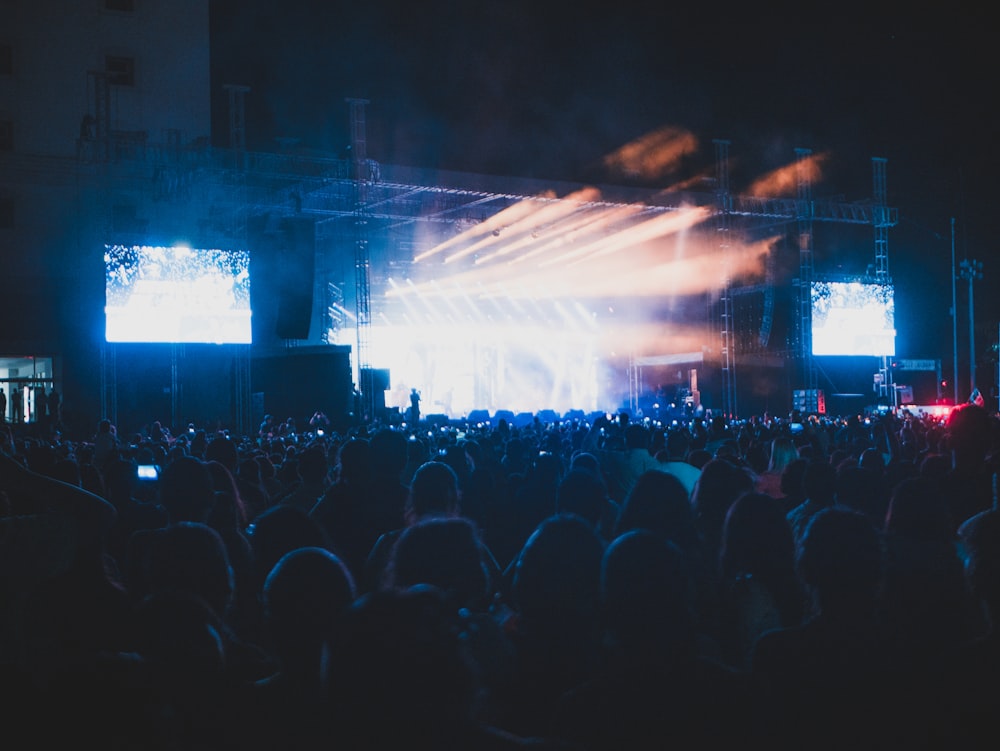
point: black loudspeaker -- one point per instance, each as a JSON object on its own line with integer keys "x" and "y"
{"x": 297, "y": 265}
{"x": 478, "y": 415}
{"x": 298, "y": 384}
{"x": 379, "y": 378}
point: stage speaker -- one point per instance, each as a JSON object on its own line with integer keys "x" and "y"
{"x": 548, "y": 416}
{"x": 503, "y": 414}
{"x": 297, "y": 264}
{"x": 378, "y": 377}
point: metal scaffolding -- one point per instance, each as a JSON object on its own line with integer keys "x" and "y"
{"x": 362, "y": 258}
{"x": 727, "y": 322}
{"x": 804, "y": 216}
{"x": 370, "y": 198}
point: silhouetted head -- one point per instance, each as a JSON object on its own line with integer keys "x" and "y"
{"x": 968, "y": 432}
{"x": 647, "y": 595}
{"x": 919, "y": 512}
{"x": 858, "y": 488}
{"x": 228, "y": 510}
{"x": 582, "y": 492}
{"x": 718, "y": 426}
{"x": 223, "y": 449}
{"x": 659, "y": 502}
{"x": 757, "y": 541}
{"x": 121, "y": 480}
{"x": 585, "y": 460}
{"x": 434, "y": 490}
{"x": 783, "y": 453}
{"x": 678, "y": 443}
{"x": 840, "y": 558}
{"x": 872, "y": 460}
{"x": 636, "y": 436}
{"x": 312, "y": 465}
{"x": 280, "y": 530}
{"x": 980, "y": 536}
{"x": 557, "y": 573}
{"x": 304, "y": 598}
{"x": 819, "y": 482}
{"x": 443, "y": 552}
{"x": 721, "y": 482}
{"x": 456, "y": 458}
{"x": 791, "y": 478}
{"x": 191, "y": 557}
{"x": 186, "y": 490}
{"x": 545, "y": 470}
{"x": 515, "y": 452}
{"x": 389, "y": 451}
{"x": 757, "y": 538}
{"x": 354, "y": 461}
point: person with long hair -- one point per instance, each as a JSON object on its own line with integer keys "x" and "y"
{"x": 759, "y": 587}
{"x": 783, "y": 453}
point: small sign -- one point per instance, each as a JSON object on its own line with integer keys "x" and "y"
{"x": 917, "y": 364}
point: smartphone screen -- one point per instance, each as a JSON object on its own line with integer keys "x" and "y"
{"x": 148, "y": 472}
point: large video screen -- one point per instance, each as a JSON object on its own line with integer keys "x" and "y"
{"x": 853, "y": 318}
{"x": 176, "y": 294}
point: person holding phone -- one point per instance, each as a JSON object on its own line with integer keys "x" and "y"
{"x": 319, "y": 423}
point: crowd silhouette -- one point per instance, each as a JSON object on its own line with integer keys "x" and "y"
{"x": 573, "y": 585}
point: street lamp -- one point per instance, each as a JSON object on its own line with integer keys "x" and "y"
{"x": 954, "y": 316}
{"x": 971, "y": 270}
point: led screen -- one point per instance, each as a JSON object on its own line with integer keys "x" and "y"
{"x": 853, "y": 318}
{"x": 176, "y": 294}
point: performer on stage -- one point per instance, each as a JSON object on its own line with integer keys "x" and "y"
{"x": 414, "y": 406}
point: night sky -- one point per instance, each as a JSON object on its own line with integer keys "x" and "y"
{"x": 548, "y": 89}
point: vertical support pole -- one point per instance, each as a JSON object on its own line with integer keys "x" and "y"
{"x": 972, "y": 336}
{"x": 727, "y": 323}
{"x": 954, "y": 315}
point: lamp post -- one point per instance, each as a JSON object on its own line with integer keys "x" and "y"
{"x": 954, "y": 316}
{"x": 971, "y": 270}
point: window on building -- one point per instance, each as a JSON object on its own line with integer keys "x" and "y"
{"x": 120, "y": 70}
{"x": 6, "y": 59}
{"x": 6, "y": 135}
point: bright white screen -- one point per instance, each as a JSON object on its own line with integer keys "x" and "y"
{"x": 178, "y": 294}
{"x": 853, "y": 318}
